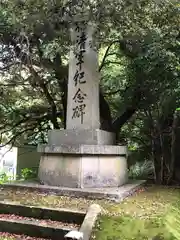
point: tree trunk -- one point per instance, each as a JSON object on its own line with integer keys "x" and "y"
{"x": 64, "y": 103}
{"x": 173, "y": 142}
{"x": 105, "y": 114}
{"x": 157, "y": 155}
{"x": 153, "y": 153}
{"x": 161, "y": 177}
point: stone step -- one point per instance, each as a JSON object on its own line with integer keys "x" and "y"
{"x": 38, "y": 222}
{"x": 62, "y": 215}
{"x": 33, "y": 229}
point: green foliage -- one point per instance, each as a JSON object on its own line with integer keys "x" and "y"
{"x": 4, "y": 178}
{"x": 141, "y": 229}
{"x": 172, "y": 220}
{"x": 28, "y": 174}
{"x": 141, "y": 170}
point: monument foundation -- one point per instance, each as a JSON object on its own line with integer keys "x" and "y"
{"x": 82, "y": 156}
{"x": 83, "y": 166}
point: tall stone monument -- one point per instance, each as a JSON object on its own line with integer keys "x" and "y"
{"x": 82, "y": 156}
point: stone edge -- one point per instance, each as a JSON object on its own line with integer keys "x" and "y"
{"x": 8, "y": 208}
{"x": 81, "y": 193}
{"x": 83, "y": 149}
{"x": 129, "y": 192}
{"x": 20, "y": 227}
{"x": 86, "y": 228}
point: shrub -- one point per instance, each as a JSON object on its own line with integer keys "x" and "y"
{"x": 4, "y": 177}
{"x": 27, "y": 173}
{"x": 141, "y": 170}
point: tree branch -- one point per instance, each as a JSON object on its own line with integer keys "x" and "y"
{"x": 106, "y": 54}
{"x": 112, "y": 93}
{"x": 111, "y": 62}
{"x": 48, "y": 97}
{"x": 14, "y": 138}
{"x": 129, "y": 112}
{"x": 105, "y": 114}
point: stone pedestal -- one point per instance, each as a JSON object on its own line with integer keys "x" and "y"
{"x": 83, "y": 166}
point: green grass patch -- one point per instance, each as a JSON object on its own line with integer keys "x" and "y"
{"x": 128, "y": 228}
{"x": 140, "y": 217}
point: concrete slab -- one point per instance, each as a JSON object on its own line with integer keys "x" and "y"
{"x": 113, "y": 194}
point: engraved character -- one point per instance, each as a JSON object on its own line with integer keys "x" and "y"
{"x": 78, "y": 77}
{"x": 82, "y": 41}
{"x": 80, "y": 26}
{"x": 80, "y": 57}
{"x": 78, "y": 112}
{"x": 79, "y": 96}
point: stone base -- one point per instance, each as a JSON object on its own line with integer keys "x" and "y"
{"x": 80, "y": 136}
{"x": 83, "y": 166}
{"x": 114, "y": 194}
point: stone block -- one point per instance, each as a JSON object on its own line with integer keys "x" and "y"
{"x": 59, "y": 170}
{"x": 84, "y": 149}
{"x": 81, "y": 136}
{"x": 83, "y": 170}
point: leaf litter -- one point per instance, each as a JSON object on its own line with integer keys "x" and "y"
{"x": 10, "y": 236}
{"x": 43, "y": 222}
{"x": 151, "y": 200}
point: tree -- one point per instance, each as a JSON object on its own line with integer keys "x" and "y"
{"x": 34, "y": 63}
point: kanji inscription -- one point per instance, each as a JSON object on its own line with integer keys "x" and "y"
{"x": 79, "y": 77}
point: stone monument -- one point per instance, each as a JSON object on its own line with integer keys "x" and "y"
{"x": 82, "y": 155}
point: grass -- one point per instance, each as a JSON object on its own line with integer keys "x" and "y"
{"x": 126, "y": 227}
{"x": 139, "y": 217}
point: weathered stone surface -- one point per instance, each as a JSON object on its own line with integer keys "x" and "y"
{"x": 89, "y": 221}
{"x": 83, "y": 171}
{"x": 83, "y": 82}
{"x": 102, "y": 171}
{"x": 84, "y": 149}
{"x": 60, "y": 170}
{"x": 112, "y": 193}
{"x": 81, "y": 136}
